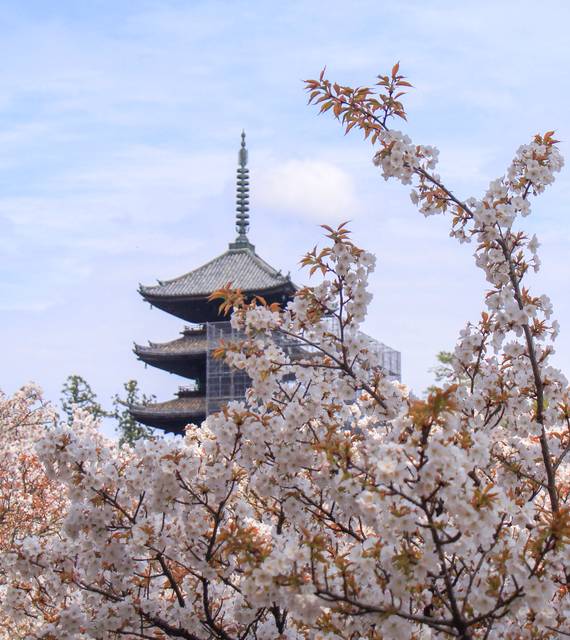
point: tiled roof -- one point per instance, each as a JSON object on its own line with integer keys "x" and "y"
{"x": 240, "y": 266}
{"x": 191, "y": 343}
{"x": 176, "y": 408}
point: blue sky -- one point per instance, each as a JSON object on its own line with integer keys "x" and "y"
{"x": 119, "y": 130}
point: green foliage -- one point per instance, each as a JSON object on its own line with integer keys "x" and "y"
{"x": 130, "y": 430}
{"x": 76, "y": 393}
{"x": 443, "y": 371}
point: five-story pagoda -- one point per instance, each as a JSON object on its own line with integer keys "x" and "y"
{"x": 187, "y": 297}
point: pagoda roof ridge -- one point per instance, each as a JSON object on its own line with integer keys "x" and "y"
{"x": 239, "y": 265}
{"x": 186, "y": 405}
{"x": 171, "y": 415}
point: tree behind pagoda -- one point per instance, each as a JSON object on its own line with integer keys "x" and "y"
{"x": 128, "y": 428}
{"x": 77, "y": 393}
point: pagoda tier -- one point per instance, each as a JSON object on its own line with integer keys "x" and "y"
{"x": 189, "y": 407}
{"x": 187, "y": 296}
{"x": 184, "y": 356}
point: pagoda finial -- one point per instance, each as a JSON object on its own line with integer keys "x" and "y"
{"x": 242, "y": 196}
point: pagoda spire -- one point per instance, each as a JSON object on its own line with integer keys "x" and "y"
{"x": 242, "y": 198}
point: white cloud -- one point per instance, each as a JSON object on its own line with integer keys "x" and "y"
{"x": 312, "y": 189}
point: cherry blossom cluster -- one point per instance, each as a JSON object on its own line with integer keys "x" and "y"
{"x": 330, "y": 505}
{"x": 399, "y": 158}
{"x": 31, "y": 505}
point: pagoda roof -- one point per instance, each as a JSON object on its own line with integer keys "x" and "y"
{"x": 172, "y": 415}
{"x": 239, "y": 266}
{"x": 192, "y": 343}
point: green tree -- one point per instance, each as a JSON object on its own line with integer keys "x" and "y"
{"x": 77, "y": 393}
{"x": 130, "y": 430}
{"x": 443, "y": 371}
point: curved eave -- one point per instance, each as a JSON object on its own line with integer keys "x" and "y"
{"x": 169, "y": 417}
{"x": 198, "y": 308}
{"x": 151, "y": 295}
{"x": 191, "y": 366}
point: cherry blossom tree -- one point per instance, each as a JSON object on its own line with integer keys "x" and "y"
{"x": 332, "y": 503}
{"x": 31, "y": 506}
